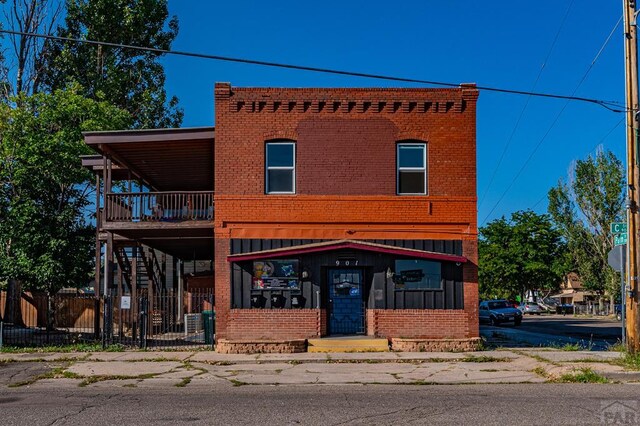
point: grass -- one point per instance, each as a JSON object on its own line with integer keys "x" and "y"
{"x": 570, "y": 347}
{"x": 238, "y": 382}
{"x": 583, "y": 375}
{"x": 54, "y": 373}
{"x": 540, "y": 371}
{"x": 76, "y": 347}
{"x": 95, "y": 379}
{"x": 630, "y": 361}
{"x": 184, "y": 382}
{"x": 617, "y": 347}
{"x": 484, "y": 358}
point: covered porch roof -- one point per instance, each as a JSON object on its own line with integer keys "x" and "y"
{"x": 164, "y": 159}
{"x": 344, "y": 244}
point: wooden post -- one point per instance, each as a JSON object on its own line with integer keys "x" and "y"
{"x": 150, "y": 291}
{"x": 134, "y": 286}
{"x": 631, "y": 74}
{"x": 98, "y": 254}
{"x": 108, "y": 278}
{"x": 119, "y": 302}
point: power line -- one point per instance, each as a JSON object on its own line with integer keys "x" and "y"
{"x": 555, "y": 121}
{"x": 524, "y": 108}
{"x": 610, "y": 105}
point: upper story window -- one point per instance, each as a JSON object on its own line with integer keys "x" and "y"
{"x": 411, "y": 176}
{"x": 280, "y": 168}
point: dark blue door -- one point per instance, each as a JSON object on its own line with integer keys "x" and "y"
{"x": 346, "y": 310}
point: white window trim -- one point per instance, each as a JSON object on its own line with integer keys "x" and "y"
{"x": 411, "y": 169}
{"x": 267, "y": 168}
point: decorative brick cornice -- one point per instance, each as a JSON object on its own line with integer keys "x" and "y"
{"x": 344, "y": 101}
{"x": 347, "y": 106}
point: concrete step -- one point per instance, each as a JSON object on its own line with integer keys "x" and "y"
{"x": 347, "y": 345}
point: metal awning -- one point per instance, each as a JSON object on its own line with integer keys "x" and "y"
{"x": 344, "y": 244}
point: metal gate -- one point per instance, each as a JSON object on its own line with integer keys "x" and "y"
{"x": 166, "y": 319}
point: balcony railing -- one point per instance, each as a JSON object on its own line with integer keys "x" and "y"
{"x": 159, "y": 206}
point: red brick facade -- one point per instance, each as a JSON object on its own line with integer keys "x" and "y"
{"x": 345, "y": 189}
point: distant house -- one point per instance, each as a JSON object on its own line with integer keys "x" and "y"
{"x": 573, "y": 292}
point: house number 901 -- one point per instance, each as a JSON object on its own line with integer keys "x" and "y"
{"x": 351, "y": 262}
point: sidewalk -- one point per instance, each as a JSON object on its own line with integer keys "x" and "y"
{"x": 167, "y": 369}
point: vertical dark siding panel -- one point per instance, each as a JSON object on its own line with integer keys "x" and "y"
{"x": 236, "y": 273}
{"x": 449, "y": 294}
{"x": 459, "y": 290}
{"x": 439, "y": 302}
{"x": 246, "y": 288}
{"x": 414, "y": 299}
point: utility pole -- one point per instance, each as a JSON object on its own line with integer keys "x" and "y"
{"x": 631, "y": 78}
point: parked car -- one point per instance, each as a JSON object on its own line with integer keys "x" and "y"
{"x": 530, "y": 308}
{"x": 513, "y": 303}
{"x": 496, "y": 312}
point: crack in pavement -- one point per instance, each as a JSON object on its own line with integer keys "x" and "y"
{"x": 67, "y": 416}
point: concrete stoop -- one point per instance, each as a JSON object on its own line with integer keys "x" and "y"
{"x": 348, "y": 345}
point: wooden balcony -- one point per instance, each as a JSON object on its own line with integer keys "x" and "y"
{"x": 167, "y": 207}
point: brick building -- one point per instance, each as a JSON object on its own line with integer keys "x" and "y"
{"x": 337, "y": 212}
{"x": 367, "y": 197}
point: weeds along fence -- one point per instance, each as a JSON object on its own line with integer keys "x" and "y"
{"x": 36, "y": 319}
{"x": 164, "y": 320}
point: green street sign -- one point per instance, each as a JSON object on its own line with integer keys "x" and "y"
{"x": 618, "y": 228}
{"x": 619, "y": 239}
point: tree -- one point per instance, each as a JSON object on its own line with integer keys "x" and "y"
{"x": 132, "y": 80}
{"x": 46, "y": 238}
{"x": 29, "y": 16}
{"x": 520, "y": 254}
{"x": 583, "y": 207}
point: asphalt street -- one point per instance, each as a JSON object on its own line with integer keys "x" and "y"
{"x": 544, "y": 330}
{"x": 216, "y": 404}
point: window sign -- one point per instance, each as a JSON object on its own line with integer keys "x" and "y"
{"x": 280, "y": 165}
{"x": 417, "y": 275}
{"x": 276, "y": 274}
{"x": 412, "y": 169}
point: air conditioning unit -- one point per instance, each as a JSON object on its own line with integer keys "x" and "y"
{"x": 192, "y": 324}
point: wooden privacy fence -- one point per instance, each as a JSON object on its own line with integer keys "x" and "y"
{"x": 159, "y": 206}
{"x": 36, "y": 319}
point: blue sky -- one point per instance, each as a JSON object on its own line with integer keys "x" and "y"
{"x": 496, "y": 43}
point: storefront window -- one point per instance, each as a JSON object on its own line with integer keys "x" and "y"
{"x": 276, "y": 275}
{"x": 417, "y": 275}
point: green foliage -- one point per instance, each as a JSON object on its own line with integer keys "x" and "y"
{"x": 46, "y": 239}
{"x": 583, "y": 209}
{"x": 132, "y": 80}
{"x": 520, "y": 254}
{"x": 584, "y": 375}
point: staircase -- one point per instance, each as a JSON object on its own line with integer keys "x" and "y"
{"x": 344, "y": 344}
